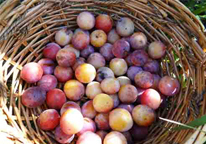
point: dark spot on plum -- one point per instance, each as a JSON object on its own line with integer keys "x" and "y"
{"x": 101, "y": 75}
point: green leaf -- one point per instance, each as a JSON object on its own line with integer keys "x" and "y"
{"x": 177, "y": 123}
{"x": 200, "y": 9}
{"x": 202, "y": 16}
{"x": 191, "y": 125}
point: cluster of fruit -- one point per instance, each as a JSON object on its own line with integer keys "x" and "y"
{"x": 114, "y": 68}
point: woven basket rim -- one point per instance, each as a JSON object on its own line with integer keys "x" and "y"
{"x": 23, "y": 23}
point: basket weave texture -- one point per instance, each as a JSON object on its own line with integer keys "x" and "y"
{"x": 27, "y": 26}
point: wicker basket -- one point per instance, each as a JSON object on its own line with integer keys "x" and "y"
{"x": 25, "y": 27}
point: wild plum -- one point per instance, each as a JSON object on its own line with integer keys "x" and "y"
{"x": 33, "y": 97}
{"x": 125, "y": 26}
{"x": 143, "y": 115}
{"x": 138, "y": 40}
{"x": 110, "y": 85}
{"x": 31, "y": 72}
{"x": 55, "y": 98}
{"x": 80, "y": 40}
{"x": 144, "y": 79}
{"x": 156, "y": 50}
{"x": 63, "y": 36}
{"x": 120, "y": 120}
{"x": 50, "y": 51}
{"x": 74, "y": 90}
{"x": 47, "y": 65}
{"x": 86, "y": 20}
{"x": 47, "y": 82}
{"x": 151, "y": 66}
{"x": 48, "y": 119}
{"x": 97, "y": 60}
{"x": 151, "y": 98}
{"x": 104, "y": 22}
{"x": 113, "y": 36}
{"x": 128, "y": 93}
{"x": 85, "y": 73}
{"x": 118, "y": 66}
{"x": 63, "y": 74}
{"x": 115, "y": 137}
{"x": 103, "y": 103}
{"x": 98, "y": 38}
{"x": 121, "y": 48}
{"x": 72, "y": 121}
{"x": 106, "y": 51}
{"x": 65, "y": 58}
{"x": 139, "y": 57}
{"x": 169, "y": 86}
{"x": 93, "y": 89}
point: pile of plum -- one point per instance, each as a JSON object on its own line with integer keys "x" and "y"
{"x": 101, "y": 83}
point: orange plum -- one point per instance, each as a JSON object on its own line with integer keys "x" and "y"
{"x": 74, "y": 90}
{"x": 98, "y": 38}
{"x": 143, "y": 115}
{"x": 118, "y": 66}
{"x": 120, "y": 120}
{"x": 85, "y": 73}
{"x": 103, "y": 103}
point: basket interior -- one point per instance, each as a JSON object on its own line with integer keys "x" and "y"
{"x": 167, "y": 20}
